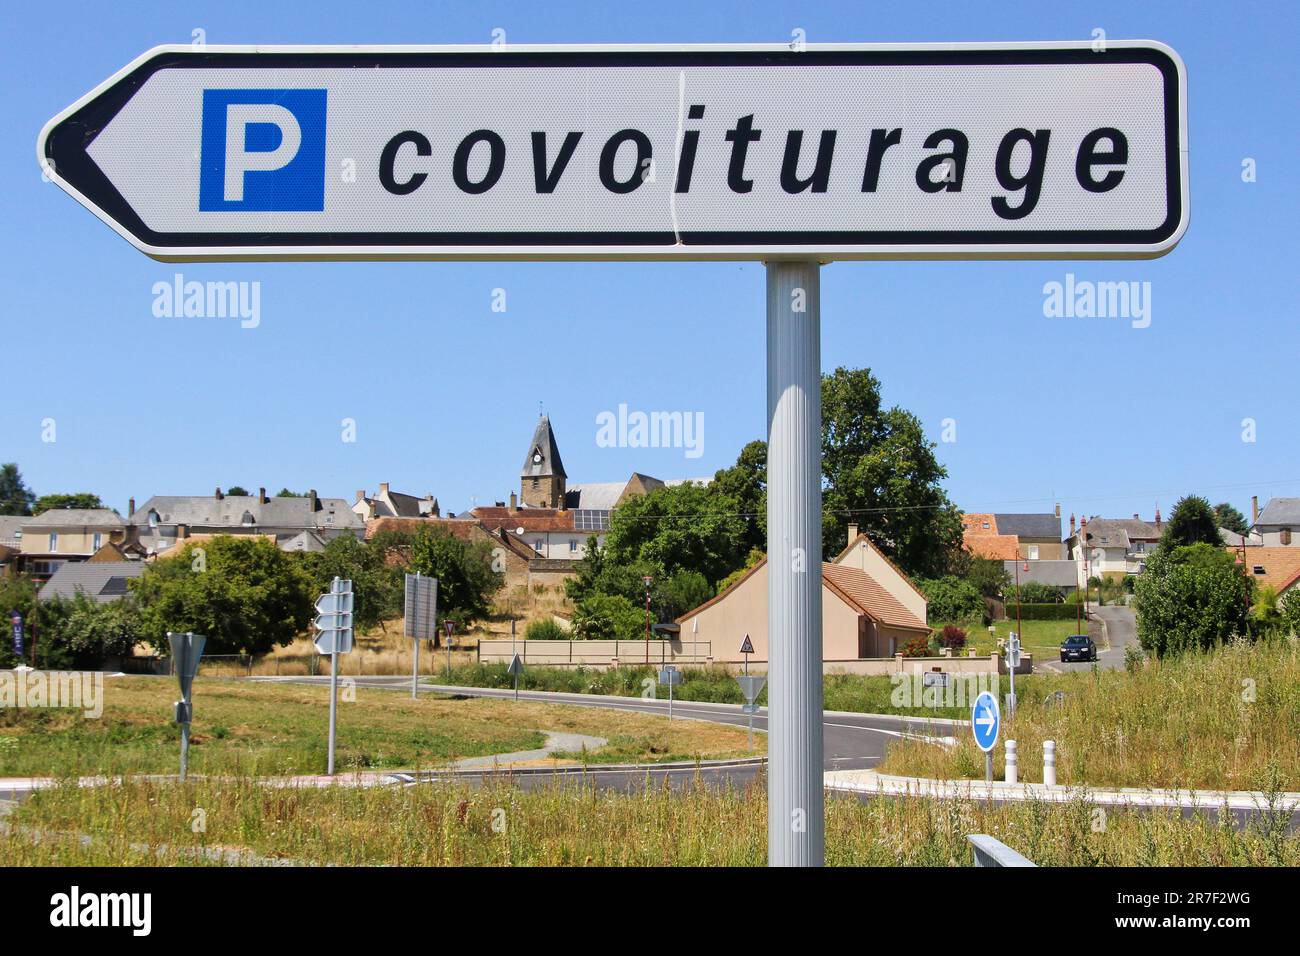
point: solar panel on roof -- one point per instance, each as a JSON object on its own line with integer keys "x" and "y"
{"x": 591, "y": 520}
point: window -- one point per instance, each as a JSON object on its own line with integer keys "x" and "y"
{"x": 537, "y": 545}
{"x": 537, "y": 483}
{"x": 1033, "y": 552}
{"x": 54, "y": 542}
{"x": 1258, "y": 569}
{"x": 96, "y": 541}
{"x": 573, "y": 546}
{"x": 1285, "y": 536}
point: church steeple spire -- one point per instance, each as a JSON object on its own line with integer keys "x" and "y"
{"x": 542, "y": 478}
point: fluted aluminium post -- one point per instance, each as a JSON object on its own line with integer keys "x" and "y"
{"x": 795, "y": 814}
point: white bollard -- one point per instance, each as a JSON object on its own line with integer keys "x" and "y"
{"x": 1013, "y": 773}
{"x": 1049, "y": 763}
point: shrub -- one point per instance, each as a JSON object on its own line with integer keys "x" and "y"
{"x": 608, "y": 617}
{"x": 1034, "y": 592}
{"x": 546, "y": 629}
{"x": 917, "y": 647}
{"x": 953, "y": 637}
{"x": 1193, "y": 597}
{"x": 952, "y": 599}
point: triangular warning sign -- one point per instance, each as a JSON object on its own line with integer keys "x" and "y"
{"x": 748, "y": 646}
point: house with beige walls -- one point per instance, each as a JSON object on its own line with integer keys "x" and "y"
{"x": 869, "y": 610}
{"x": 65, "y": 535}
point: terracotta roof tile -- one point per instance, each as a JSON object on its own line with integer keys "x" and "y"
{"x": 1000, "y": 547}
{"x": 872, "y": 599}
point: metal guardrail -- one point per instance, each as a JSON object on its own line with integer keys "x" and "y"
{"x": 989, "y": 851}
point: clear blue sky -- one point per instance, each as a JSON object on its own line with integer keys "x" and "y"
{"x": 445, "y": 391}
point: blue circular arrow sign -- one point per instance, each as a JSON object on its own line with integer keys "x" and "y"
{"x": 985, "y": 721}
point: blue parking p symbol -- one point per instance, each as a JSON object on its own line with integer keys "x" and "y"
{"x": 262, "y": 151}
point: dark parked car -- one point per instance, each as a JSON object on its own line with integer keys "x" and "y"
{"x": 1078, "y": 647}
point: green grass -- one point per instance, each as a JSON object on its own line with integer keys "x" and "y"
{"x": 497, "y": 825}
{"x": 1223, "y": 719}
{"x": 277, "y": 729}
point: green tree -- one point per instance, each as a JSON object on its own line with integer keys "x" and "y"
{"x": 378, "y": 587}
{"x": 1192, "y": 522}
{"x": 15, "y": 497}
{"x": 17, "y": 594}
{"x": 951, "y": 599}
{"x": 1226, "y": 516}
{"x": 1190, "y": 598}
{"x": 238, "y": 491}
{"x": 466, "y": 576}
{"x": 680, "y": 528}
{"x": 243, "y": 593}
{"x": 608, "y": 617}
{"x": 92, "y": 632}
{"x": 745, "y": 484}
{"x": 881, "y": 472}
{"x": 1290, "y": 608}
{"x": 286, "y": 493}
{"x": 988, "y": 576}
{"x": 79, "y": 499}
{"x": 684, "y": 591}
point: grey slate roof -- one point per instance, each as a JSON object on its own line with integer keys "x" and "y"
{"x": 1280, "y": 511}
{"x": 206, "y": 511}
{"x": 1061, "y": 574}
{"x": 11, "y": 527}
{"x": 1029, "y": 525}
{"x": 75, "y": 518}
{"x": 101, "y": 582}
{"x": 1114, "y": 527}
{"x": 594, "y": 497}
{"x": 544, "y": 443}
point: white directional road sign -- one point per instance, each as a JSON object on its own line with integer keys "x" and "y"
{"x": 985, "y": 719}
{"x": 979, "y": 150}
{"x": 334, "y": 619}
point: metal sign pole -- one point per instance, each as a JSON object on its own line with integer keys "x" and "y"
{"x": 334, "y": 705}
{"x": 796, "y": 802}
{"x": 336, "y": 588}
{"x": 415, "y": 667}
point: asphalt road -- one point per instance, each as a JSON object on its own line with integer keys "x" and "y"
{"x": 850, "y": 741}
{"x": 1121, "y": 628}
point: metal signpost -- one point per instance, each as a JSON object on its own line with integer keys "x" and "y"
{"x": 670, "y": 676}
{"x": 514, "y": 670}
{"x": 1013, "y": 661}
{"x": 187, "y": 651}
{"x": 985, "y": 722}
{"x": 334, "y": 622}
{"x": 751, "y": 687}
{"x": 761, "y": 152}
{"x": 420, "y": 617}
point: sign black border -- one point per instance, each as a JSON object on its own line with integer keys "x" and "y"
{"x": 67, "y": 142}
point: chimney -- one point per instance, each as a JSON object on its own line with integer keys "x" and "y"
{"x": 130, "y": 507}
{"x": 1254, "y": 510}
{"x": 1135, "y": 516}
{"x": 1071, "y": 524}
{"x": 1058, "y": 509}
{"x": 514, "y": 501}
{"x": 361, "y": 493}
{"x": 853, "y": 531}
{"x": 311, "y": 500}
{"x": 1157, "y": 519}
{"x": 219, "y": 496}
{"x": 261, "y": 496}
{"x": 383, "y": 487}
